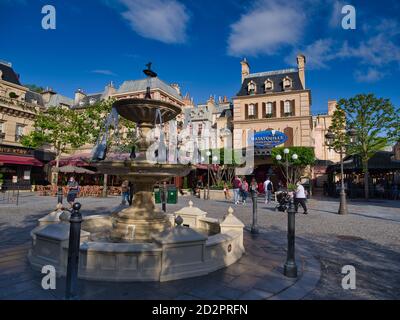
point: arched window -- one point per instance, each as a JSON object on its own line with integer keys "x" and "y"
{"x": 289, "y": 132}
{"x": 252, "y": 110}
{"x": 269, "y": 85}
{"x": 287, "y": 83}
{"x": 268, "y": 109}
{"x": 287, "y": 108}
{"x": 251, "y": 88}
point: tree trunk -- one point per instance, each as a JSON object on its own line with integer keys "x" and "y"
{"x": 366, "y": 180}
{"x": 54, "y": 173}
{"x": 105, "y": 185}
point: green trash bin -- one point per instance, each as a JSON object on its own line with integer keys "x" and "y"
{"x": 157, "y": 195}
{"x": 172, "y": 197}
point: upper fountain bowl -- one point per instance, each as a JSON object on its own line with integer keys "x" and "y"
{"x": 144, "y": 110}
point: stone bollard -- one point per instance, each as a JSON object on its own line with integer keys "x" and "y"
{"x": 254, "y": 226}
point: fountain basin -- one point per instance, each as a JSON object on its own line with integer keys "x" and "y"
{"x": 180, "y": 252}
{"x": 144, "y": 110}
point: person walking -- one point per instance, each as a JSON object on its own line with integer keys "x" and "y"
{"x": 300, "y": 197}
{"x": 253, "y": 185}
{"x": 268, "y": 189}
{"x": 244, "y": 190}
{"x": 73, "y": 190}
{"x": 237, "y": 184}
{"x": 125, "y": 192}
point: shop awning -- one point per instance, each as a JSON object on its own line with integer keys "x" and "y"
{"x": 27, "y": 161}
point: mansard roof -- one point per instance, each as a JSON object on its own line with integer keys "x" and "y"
{"x": 8, "y": 73}
{"x": 141, "y": 85}
{"x": 276, "y": 77}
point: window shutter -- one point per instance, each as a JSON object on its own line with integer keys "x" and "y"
{"x": 246, "y": 111}
{"x": 274, "y": 109}
{"x": 293, "y": 108}
{"x": 282, "y": 109}
{"x": 256, "y": 111}
{"x": 264, "y": 113}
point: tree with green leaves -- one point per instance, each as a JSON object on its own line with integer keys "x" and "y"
{"x": 374, "y": 121}
{"x": 34, "y": 88}
{"x": 297, "y": 167}
{"x": 59, "y": 127}
{"x": 122, "y": 138}
{"x": 222, "y": 164}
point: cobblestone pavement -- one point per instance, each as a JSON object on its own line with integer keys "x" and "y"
{"x": 367, "y": 238}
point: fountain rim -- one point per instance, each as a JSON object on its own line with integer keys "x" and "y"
{"x": 140, "y": 102}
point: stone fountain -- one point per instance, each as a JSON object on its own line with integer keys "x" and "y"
{"x": 141, "y": 243}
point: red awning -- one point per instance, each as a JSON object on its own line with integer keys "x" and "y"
{"x": 28, "y": 161}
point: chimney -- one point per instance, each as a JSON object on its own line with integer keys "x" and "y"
{"x": 332, "y": 104}
{"x": 46, "y": 94}
{"x": 176, "y": 87}
{"x": 109, "y": 90}
{"x": 79, "y": 95}
{"x": 245, "y": 68}
{"x": 301, "y": 64}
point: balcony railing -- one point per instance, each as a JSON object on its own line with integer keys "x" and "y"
{"x": 22, "y": 104}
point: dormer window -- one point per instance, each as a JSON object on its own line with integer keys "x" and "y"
{"x": 269, "y": 85}
{"x": 287, "y": 83}
{"x": 92, "y": 101}
{"x": 251, "y": 87}
{"x": 81, "y": 103}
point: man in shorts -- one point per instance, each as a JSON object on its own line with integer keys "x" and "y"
{"x": 73, "y": 190}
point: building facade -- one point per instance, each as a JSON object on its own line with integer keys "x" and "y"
{"x": 21, "y": 166}
{"x": 280, "y": 100}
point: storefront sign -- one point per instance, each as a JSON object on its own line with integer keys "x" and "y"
{"x": 269, "y": 139}
{"x": 15, "y": 150}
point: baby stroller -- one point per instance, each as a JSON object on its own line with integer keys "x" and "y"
{"x": 283, "y": 199}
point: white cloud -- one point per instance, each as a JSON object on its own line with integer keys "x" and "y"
{"x": 372, "y": 75}
{"x": 162, "y": 20}
{"x": 104, "y": 72}
{"x": 318, "y": 54}
{"x": 374, "y": 54}
{"x": 336, "y": 16}
{"x": 378, "y": 50}
{"x": 265, "y": 28}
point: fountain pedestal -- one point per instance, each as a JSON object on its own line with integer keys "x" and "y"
{"x": 141, "y": 220}
{"x": 143, "y": 216}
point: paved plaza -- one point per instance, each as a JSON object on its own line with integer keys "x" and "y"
{"x": 368, "y": 238}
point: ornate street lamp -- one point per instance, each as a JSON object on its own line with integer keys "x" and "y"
{"x": 330, "y": 138}
{"x": 286, "y": 155}
{"x": 290, "y": 266}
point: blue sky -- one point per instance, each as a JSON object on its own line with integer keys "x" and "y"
{"x": 199, "y": 44}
